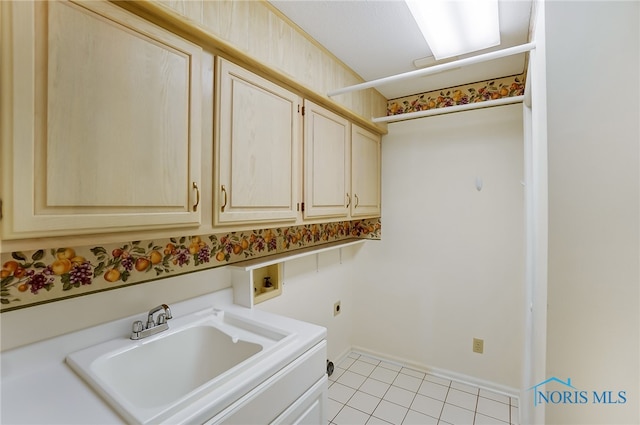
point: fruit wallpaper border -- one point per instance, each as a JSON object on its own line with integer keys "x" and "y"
{"x": 459, "y": 95}
{"x": 33, "y": 277}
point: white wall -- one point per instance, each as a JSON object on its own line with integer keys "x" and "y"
{"x": 313, "y": 284}
{"x": 32, "y": 324}
{"x": 537, "y": 223}
{"x": 450, "y": 266}
{"x": 593, "y": 88}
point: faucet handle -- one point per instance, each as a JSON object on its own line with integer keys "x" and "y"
{"x": 137, "y": 326}
{"x": 162, "y": 319}
{"x": 136, "y": 329}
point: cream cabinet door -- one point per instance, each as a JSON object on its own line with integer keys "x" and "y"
{"x": 257, "y": 148}
{"x": 365, "y": 173}
{"x": 100, "y": 121}
{"x": 326, "y": 162}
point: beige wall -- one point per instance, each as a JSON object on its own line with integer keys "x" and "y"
{"x": 254, "y": 27}
{"x": 450, "y": 265}
{"x": 593, "y": 92}
{"x": 536, "y": 213}
{"x": 32, "y": 324}
{"x": 313, "y": 284}
{"x": 259, "y": 30}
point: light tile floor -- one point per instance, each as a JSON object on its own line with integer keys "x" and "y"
{"x": 367, "y": 390}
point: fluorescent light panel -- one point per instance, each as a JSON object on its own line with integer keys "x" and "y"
{"x": 456, "y": 27}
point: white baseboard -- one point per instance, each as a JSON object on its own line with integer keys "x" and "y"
{"x": 442, "y": 373}
{"x": 341, "y": 357}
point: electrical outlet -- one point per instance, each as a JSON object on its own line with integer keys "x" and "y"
{"x": 336, "y": 308}
{"x": 478, "y": 345}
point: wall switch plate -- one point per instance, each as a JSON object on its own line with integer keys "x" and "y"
{"x": 336, "y": 308}
{"x": 478, "y": 345}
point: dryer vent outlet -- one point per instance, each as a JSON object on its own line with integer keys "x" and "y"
{"x": 329, "y": 368}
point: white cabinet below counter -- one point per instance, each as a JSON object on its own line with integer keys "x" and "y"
{"x": 287, "y": 384}
{"x": 101, "y": 129}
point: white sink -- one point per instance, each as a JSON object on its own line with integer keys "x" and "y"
{"x": 151, "y": 379}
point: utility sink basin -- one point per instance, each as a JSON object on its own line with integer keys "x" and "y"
{"x": 152, "y": 379}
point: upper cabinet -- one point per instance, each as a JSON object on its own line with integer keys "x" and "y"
{"x": 365, "y": 173}
{"x": 100, "y": 121}
{"x": 103, "y": 124}
{"x": 257, "y": 149}
{"x": 326, "y": 163}
{"x": 342, "y": 167}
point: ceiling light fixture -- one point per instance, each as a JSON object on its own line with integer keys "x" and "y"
{"x": 456, "y": 27}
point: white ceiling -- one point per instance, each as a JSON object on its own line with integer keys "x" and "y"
{"x": 379, "y": 38}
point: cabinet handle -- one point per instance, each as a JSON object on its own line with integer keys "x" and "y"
{"x": 348, "y": 200}
{"x": 195, "y": 186}
{"x": 224, "y": 204}
{"x": 357, "y": 201}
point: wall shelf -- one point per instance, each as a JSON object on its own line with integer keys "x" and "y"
{"x": 292, "y": 255}
{"x": 247, "y": 276}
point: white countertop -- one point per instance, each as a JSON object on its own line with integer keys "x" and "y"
{"x": 38, "y": 387}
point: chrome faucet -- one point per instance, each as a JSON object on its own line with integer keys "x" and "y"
{"x": 139, "y": 330}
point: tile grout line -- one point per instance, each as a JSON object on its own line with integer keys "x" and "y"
{"x": 398, "y": 373}
{"x": 444, "y": 401}
{"x": 475, "y": 410}
{"x": 380, "y": 364}
{"x": 358, "y": 389}
{"x": 381, "y": 398}
{"x": 415, "y": 394}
